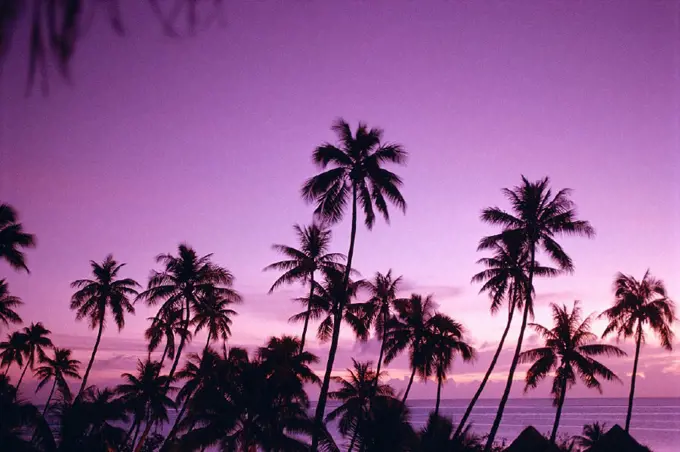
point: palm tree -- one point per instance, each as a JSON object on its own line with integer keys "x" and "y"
{"x": 213, "y": 313}
{"x": 147, "y": 393}
{"x": 638, "y": 304}
{"x": 444, "y": 340}
{"x": 59, "y": 368}
{"x": 13, "y": 237}
{"x": 569, "y": 351}
{"x": 184, "y": 281}
{"x": 505, "y": 279}
{"x": 7, "y": 305}
{"x": 165, "y": 326}
{"x": 17, "y": 417}
{"x": 592, "y": 434}
{"x": 356, "y": 393}
{"x": 302, "y": 264}
{"x": 95, "y": 296}
{"x": 37, "y": 340}
{"x": 409, "y": 329}
{"x": 437, "y": 436}
{"x": 537, "y": 218}
{"x": 13, "y": 350}
{"x": 378, "y": 309}
{"x": 388, "y": 428}
{"x": 355, "y": 176}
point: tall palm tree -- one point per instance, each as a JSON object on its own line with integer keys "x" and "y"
{"x": 504, "y": 280}
{"x": 59, "y": 368}
{"x": 640, "y": 304}
{"x": 37, "y": 340}
{"x": 105, "y": 291}
{"x": 592, "y": 434}
{"x": 8, "y": 303}
{"x": 537, "y": 218}
{"x": 302, "y": 264}
{"x": 184, "y": 281}
{"x": 569, "y": 351}
{"x": 13, "y": 350}
{"x": 378, "y": 309}
{"x": 356, "y": 393}
{"x": 409, "y": 329}
{"x": 356, "y": 176}
{"x": 147, "y": 392}
{"x": 13, "y": 237}
{"x": 444, "y": 340}
{"x": 213, "y": 313}
{"x": 164, "y": 327}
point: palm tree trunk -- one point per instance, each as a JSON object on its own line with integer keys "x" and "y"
{"x": 321, "y": 404}
{"x": 439, "y": 396}
{"x": 178, "y": 354}
{"x": 49, "y": 398}
{"x": 558, "y": 414}
{"x": 175, "y": 426}
{"x": 129, "y": 432}
{"x": 139, "y": 426}
{"x": 22, "y": 375}
{"x": 354, "y": 439}
{"x": 382, "y": 352}
{"x": 638, "y": 341}
{"x": 165, "y": 353}
{"x": 489, "y": 371}
{"x": 309, "y": 308}
{"x": 408, "y": 388}
{"x": 515, "y": 359}
{"x": 207, "y": 343}
{"x": 143, "y": 438}
{"x": 94, "y": 352}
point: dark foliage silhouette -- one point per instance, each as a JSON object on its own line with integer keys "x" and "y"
{"x": 438, "y": 436}
{"x": 36, "y": 340}
{"x": 12, "y": 235}
{"x": 57, "y": 369}
{"x": 8, "y": 304}
{"x": 591, "y": 436}
{"x": 13, "y": 350}
{"x": 16, "y": 417}
{"x": 640, "y": 304}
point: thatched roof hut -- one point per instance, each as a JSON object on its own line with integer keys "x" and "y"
{"x": 530, "y": 440}
{"x": 617, "y": 439}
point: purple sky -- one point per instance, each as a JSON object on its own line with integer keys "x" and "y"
{"x": 207, "y": 140}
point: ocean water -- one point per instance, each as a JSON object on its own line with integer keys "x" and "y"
{"x": 655, "y": 422}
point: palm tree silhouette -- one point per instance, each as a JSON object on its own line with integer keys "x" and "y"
{"x": 355, "y": 175}
{"x": 378, "y": 309}
{"x": 13, "y": 350}
{"x": 213, "y": 313}
{"x": 409, "y": 329}
{"x": 444, "y": 339}
{"x": 165, "y": 326}
{"x": 505, "y": 279}
{"x": 302, "y": 264}
{"x": 59, "y": 368}
{"x": 18, "y": 417}
{"x": 8, "y": 303}
{"x": 95, "y": 296}
{"x": 356, "y": 393}
{"x": 147, "y": 393}
{"x": 638, "y": 304}
{"x": 388, "y": 427}
{"x": 438, "y": 435}
{"x": 592, "y": 434}
{"x": 537, "y": 218}
{"x": 36, "y": 341}
{"x": 12, "y": 238}
{"x": 185, "y": 280}
{"x": 569, "y": 351}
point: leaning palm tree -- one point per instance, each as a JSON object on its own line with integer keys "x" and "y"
{"x": 409, "y": 330}
{"x": 8, "y": 303}
{"x": 302, "y": 264}
{"x": 378, "y": 309}
{"x": 444, "y": 340}
{"x": 37, "y": 340}
{"x": 568, "y": 353}
{"x": 356, "y": 392}
{"x": 164, "y": 327}
{"x": 12, "y": 238}
{"x": 214, "y": 314}
{"x": 356, "y": 176}
{"x": 13, "y": 350}
{"x": 504, "y": 280}
{"x": 58, "y": 369}
{"x": 184, "y": 281}
{"x": 639, "y": 304}
{"x": 95, "y": 296}
{"x": 592, "y": 434}
{"x": 147, "y": 393}
{"x": 537, "y": 217}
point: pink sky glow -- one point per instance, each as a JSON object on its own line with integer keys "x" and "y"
{"x": 208, "y": 139}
